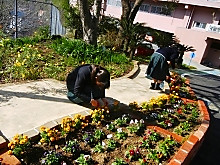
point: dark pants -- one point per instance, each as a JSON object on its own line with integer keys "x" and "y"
{"x": 74, "y": 98}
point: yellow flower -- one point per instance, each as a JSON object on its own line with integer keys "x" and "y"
{"x": 25, "y": 136}
{"x": 22, "y": 75}
{"x": 10, "y": 152}
{"x": 47, "y": 130}
{"x": 17, "y": 64}
{"x": 42, "y": 128}
{"x": 9, "y": 144}
{"x": 68, "y": 129}
{"x": 49, "y": 134}
{"x": 22, "y": 142}
{"x": 16, "y": 141}
{"x": 77, "y": 116}
{"x": 12, "y": 146}
{"x": 42, "y": 140}
{"x": 16, "y": 137}
{"x": 52, "y": 139}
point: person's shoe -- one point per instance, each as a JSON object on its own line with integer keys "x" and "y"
{"x": 152, "y": 86}
{"x": 158, "y": 87}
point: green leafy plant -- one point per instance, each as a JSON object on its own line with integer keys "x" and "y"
{"x": 119, "y": 161}
{"x": 51, "y": 157}
{"x": 125, "y": 119}
{"x": 137, "y": 128}
{"x": 99, "y": 148}
{"x": 111, "y": 144}
{"x": 99, "y": 135}
{"x": 166, "y": 147}
{"x": 84, "y": 160}
{"x": 72, "y": 146}
{"x": 183, "y": 128}
{"x": 111, "y": 127}
{"x": 142, "y": 161}
{"x": 89, "y": 138}
{"x": 121, "y": 134}
{"x": 18, "y": 145}
{"x": 133, "y": 154}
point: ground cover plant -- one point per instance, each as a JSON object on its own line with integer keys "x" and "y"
{"x": 41, "y": 56}
{"x": 112, "y": 136}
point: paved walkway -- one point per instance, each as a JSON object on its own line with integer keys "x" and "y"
{"x": 25, "y": 106}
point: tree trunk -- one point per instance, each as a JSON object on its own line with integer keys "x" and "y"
{"x": 128, "y": 16}
{"x": 90, "y": 20}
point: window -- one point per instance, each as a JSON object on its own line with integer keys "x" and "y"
{"x": 114, "y": 2}
{"x": 156, "y": 9}
{"x": 199, "y": 25}
{"x": 160, "y": 10}
{"x": 144, "y": 7}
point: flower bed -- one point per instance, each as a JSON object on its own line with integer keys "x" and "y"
{"x": 113, "y": 136}
{"x": 172, "y": 113}
{"x": 158, "y": 131}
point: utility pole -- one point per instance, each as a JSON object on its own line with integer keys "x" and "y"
{"x": 16, "y": 19}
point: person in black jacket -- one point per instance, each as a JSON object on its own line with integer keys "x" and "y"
{"x": 87, "y": 84}
{"x": 158, "y": 68}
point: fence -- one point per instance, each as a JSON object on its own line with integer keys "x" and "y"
{"x": 30, "y": 16}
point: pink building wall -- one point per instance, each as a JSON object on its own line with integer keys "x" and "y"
{"x": 181, "y": 23}
{"x": 194, "y": 38}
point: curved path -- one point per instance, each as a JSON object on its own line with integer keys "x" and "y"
{"x": 25, "y": 106}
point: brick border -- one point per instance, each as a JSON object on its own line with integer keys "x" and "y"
{"x": 191, "y": 146}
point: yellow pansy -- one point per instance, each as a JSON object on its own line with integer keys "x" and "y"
{"x": 42, "y": 140}
{"x": 42, "y": 128}
{"x": 10, "y": 152}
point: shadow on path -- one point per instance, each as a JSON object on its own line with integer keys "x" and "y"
{"x": 5, "y": 96}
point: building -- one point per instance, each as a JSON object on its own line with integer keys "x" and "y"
{"x": 194, "y": 22}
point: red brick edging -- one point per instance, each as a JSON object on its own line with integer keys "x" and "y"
{"x": 191, "y": 146}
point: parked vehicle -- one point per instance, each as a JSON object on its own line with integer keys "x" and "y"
{"x": 144, "y": 49}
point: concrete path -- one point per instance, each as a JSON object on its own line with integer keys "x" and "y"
{"x": 25, "y": 106}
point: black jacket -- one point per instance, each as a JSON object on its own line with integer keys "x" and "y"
{"x": 79, "y": 82}
{"x": 170, "y": 53}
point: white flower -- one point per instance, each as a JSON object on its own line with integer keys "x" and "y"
{"x": 142, "y": 121}
{"x": 107, "y": 126}
{"x": 103, "y": 144}
{"x": 119, "y": 130}
{"x": 109, "y": 136}
{"x": 87, "y": 157}
{"x": 136, "y": 121}
{"x": 132, "y": 121}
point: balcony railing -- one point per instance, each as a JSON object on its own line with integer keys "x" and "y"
{"x": 213, "y": 28}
